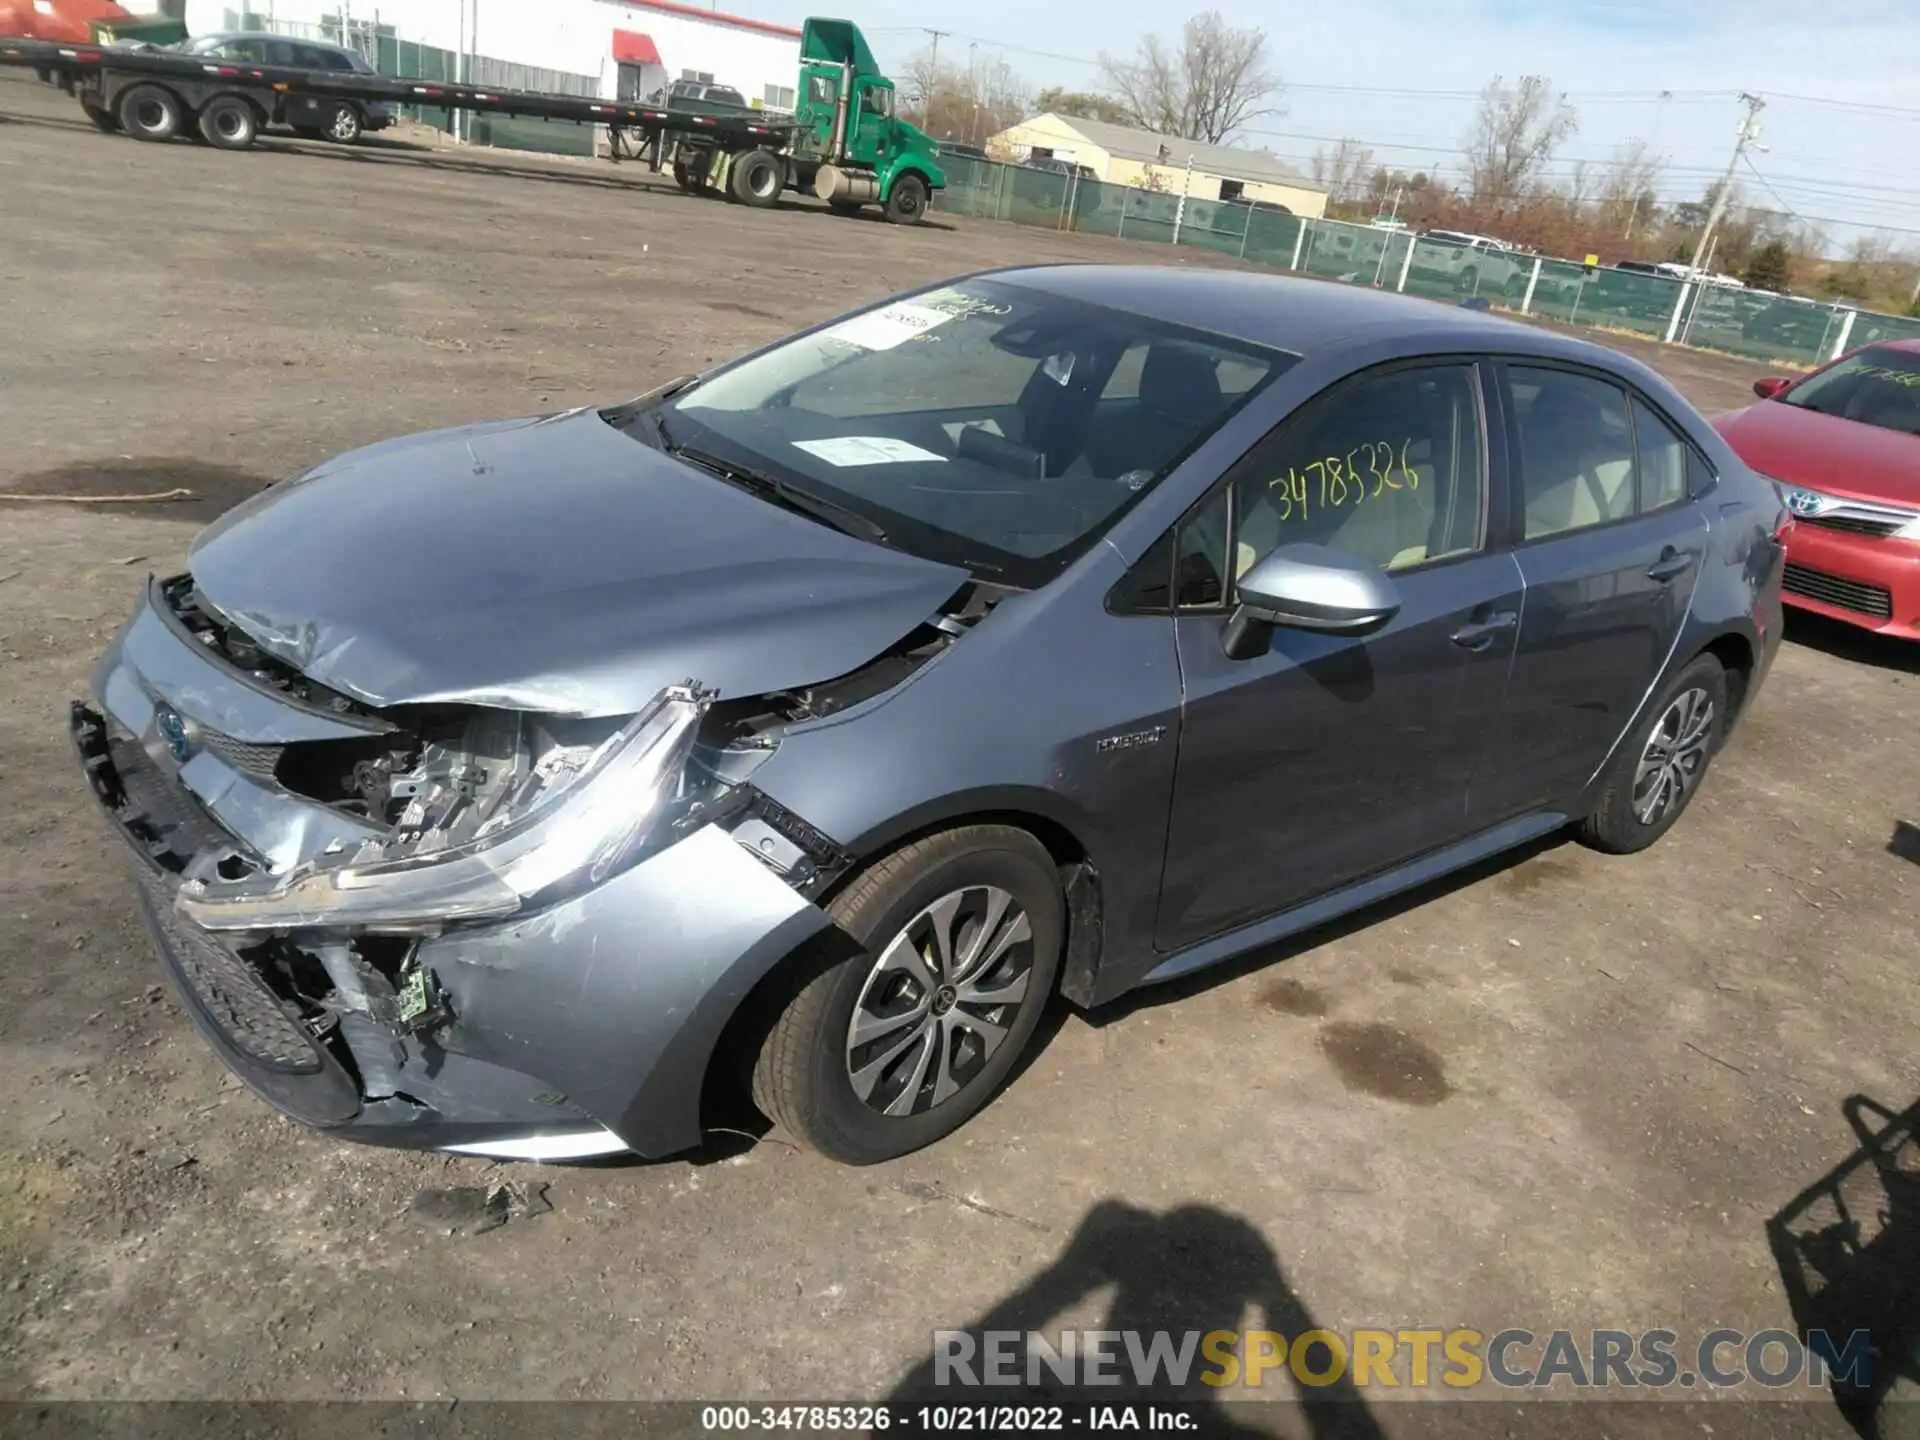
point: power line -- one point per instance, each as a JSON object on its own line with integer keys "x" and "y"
{"x": 1863, "y": 106}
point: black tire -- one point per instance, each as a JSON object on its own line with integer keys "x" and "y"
{"x": 150, "y": 112}
{"x": 907, "y": 202}
{"x": 228, "y": 122}
{"x": 1616, "y": 824}
{"x": 803, "y": 1074}
{"x": 684, "y": 177}
{"x": 845, "y": 207}
{"x": 756, "y": 178}
{"x": 103, "y": 120}
{"x": 343, "y": 125}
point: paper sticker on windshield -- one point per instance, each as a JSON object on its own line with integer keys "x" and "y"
{"x": 889, "y": 326}
{"x": 847, "y": 450}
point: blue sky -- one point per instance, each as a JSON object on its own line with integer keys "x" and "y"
{"x": 1847, "y": 161}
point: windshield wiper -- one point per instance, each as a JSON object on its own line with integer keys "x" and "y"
{"x": 771, "y": 488}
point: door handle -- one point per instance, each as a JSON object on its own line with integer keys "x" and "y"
{"x": 1478, "y": 634}
{"x": 1670, "y": 566}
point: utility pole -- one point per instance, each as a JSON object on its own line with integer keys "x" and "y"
{"x": 973, "y": 91}
{"x": 933, "y": 51}
{"x": 1749, "y": 132}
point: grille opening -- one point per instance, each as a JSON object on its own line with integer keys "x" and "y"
{"x": 1835, "y": 590}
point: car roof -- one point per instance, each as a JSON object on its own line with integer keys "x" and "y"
{"x": 1297, "y": 315}
{"x": 1910, "y": 347}
{"x": 220, "y": 37}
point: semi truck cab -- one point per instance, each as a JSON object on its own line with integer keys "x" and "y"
{"x": 853, "y": 148}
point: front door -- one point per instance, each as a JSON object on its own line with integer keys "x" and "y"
{"x": 1330, "y": 758}
{"x": 1611, "y": 549}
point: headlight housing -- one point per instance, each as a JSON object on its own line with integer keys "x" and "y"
{"x": 579, "y": 820}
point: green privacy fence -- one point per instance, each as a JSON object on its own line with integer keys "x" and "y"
{"x": 411, "y": 61}
{"x": 1742, "y": 322}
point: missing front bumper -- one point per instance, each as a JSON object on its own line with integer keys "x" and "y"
{"x": 570, "y": 1028}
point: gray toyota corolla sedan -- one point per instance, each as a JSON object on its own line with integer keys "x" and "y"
{"x": 809, "y": 723}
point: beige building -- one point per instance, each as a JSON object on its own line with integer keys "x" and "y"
{"x": 1123, "y": 156}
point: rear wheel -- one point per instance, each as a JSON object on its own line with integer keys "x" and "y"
{"x": 1658, "y": 769}
{"x": 150, "y": 112}
{"x": 901, "y": 1043}
{"x": 756, "y": 178}
{"x": 342, "y": 125}
{"x": 907, "y": 202}
{"x": 228, "y": 122}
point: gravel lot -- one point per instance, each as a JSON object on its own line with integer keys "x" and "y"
{"x": 1565, "y": 1091}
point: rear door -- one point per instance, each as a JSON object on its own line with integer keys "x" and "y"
{"x": 1610, "y": 548}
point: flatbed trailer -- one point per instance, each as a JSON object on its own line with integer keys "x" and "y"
{"x": 834, "y": 147}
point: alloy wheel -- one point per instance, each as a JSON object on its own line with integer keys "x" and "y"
{"x": 939, "y": 1001}
{"x": 1675, "y": 755}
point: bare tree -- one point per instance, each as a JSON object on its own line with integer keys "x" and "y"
{"x": 1627, "y": 192}
{"x": 1578, "y": 190}
{"x": 1344, "y": 169}
{"x": 1057, "y": 100}
{"x": 1514, "y": 135}
{"x": 1215, "y": 82}
{"x": 964, "y": 102}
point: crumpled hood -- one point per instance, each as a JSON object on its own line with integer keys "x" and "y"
{"x": 549, "y": 564}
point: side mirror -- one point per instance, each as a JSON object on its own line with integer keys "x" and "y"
{"x": 1771, "y": 386}
{"x": 1309, "y": 587}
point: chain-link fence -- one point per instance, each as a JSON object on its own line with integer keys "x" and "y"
{"x": 1743, "y": 322}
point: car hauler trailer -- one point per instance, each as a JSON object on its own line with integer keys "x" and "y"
{"x": 844, "y": 142}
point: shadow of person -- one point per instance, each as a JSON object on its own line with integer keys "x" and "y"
{"x": 1187, "y": 1272}
{"x": 1848, "y": 1248}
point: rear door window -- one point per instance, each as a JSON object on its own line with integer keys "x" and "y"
{"x": 1576, "y": 449}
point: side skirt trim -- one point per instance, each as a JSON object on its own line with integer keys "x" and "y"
{"x": 1361, "y": 893}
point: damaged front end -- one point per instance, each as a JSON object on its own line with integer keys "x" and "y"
{"x": 497, "y": 931}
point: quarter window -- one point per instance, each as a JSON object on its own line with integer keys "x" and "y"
{"x": 1388, "y": 468}
{"x": 1663, "y": 460}
{"x": 1576, "y": 450}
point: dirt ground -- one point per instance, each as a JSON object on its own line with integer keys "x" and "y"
{"x": 1564, "y": 1091}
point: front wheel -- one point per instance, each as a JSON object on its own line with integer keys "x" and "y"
{"x": 900, "y": 1044}
{"x": 343, "y": 126}
{"x": 1661, "y": 765}
{"x": 907, "y": 201}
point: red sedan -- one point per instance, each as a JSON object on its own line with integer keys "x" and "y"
{"x": 1844, "y": 444}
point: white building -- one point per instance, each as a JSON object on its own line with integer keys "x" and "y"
{"x": 631, "y": 47}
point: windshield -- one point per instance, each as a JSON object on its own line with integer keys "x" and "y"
{"x": 982, "y": 424}
{"x": 1876, "y": 387}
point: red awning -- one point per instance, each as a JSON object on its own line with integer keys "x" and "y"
{"x": 630, "y": 47}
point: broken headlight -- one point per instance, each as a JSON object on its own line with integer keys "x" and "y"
{"x": 481, "y": 835}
